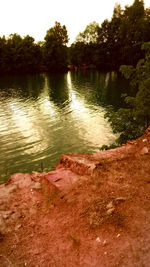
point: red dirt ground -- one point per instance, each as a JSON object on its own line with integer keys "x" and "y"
{"x": 92, "y": 210}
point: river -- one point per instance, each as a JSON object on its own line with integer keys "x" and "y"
{"x": 45, "y": 115}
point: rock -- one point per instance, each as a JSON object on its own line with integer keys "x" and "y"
{"x": 110, "y": 208}
{"x": 120, "y": 199}
{"x": 21, "y": 180}
{"x": 5, "y": 192}
{"x": 6, "y": 214}
{"x": 98, "y": 240}
{"x": 18, "y": 227}
{"x": 34, "y": 172}
{"x": 109, "y": 205}
{"x": 104, "y": 243}
{"x": 110, "y": 211}
{"x": 144, "y": 151}
{"x": 36, "y": 185}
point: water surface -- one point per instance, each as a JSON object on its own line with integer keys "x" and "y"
{"x": 43, "y": 116}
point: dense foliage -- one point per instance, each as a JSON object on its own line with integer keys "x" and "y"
{"x": 55, "y": 49}
{"x": 115, "y": 42}
{"x": 131, "y": 121}
{"x": 19, "y": 54}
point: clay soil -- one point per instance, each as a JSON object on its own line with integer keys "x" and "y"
{"x": 102, "y": 219}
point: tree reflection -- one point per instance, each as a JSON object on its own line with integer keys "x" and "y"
{"x": 24, "y": 86}
{"x": 58, "y": 89}
{"x": 100, "y": 88}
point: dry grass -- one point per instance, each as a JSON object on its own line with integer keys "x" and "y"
{"x": 97, "y": 214}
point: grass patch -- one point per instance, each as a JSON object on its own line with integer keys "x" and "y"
{"x": 106, "y": 147}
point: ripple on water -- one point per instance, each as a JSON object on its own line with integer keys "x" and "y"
{"x": 44, "y": 117}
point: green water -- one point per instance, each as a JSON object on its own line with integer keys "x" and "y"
{"x": 43, "y": 116}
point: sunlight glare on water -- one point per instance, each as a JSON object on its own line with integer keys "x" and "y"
{"x": 92, "y": 124}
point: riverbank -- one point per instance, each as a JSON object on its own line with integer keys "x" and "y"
{"x": 92, "y": 210}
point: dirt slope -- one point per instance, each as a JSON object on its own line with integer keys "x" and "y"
{"x": 92, "y": 210}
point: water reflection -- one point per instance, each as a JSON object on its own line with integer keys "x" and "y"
{"x": 24, "y": 86}
{"x": 58, "y": 88}
{"x": 43, "y": 116}
{"x": 100, "y": 88}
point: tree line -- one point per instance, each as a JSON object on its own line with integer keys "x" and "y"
{"x": 115, "y": 42}
{"x": 19, "y": 55}
{"x": 106, "y": 47}
{"x": 23, "y": 55}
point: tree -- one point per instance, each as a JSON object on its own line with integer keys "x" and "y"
{"x": 115, "y": 42}
{"x": 90, "y": 34}
{"x": 56, "y": 52}
{"x": 3, "y": 54}
{"x": 19, "y": 55}
{"x": 133, "y": 32}
{"x": 83, "y": 50}
{"x": 13, "y": 45}
{"x": 77, "y": 53}
{"x": 57, "y": 34}
{"x": 131, "y": 121}
{"x": 31, "y": 55}
{"x": 120, "y": 39}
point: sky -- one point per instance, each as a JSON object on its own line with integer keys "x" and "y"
{"x": 35, "y": 17}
